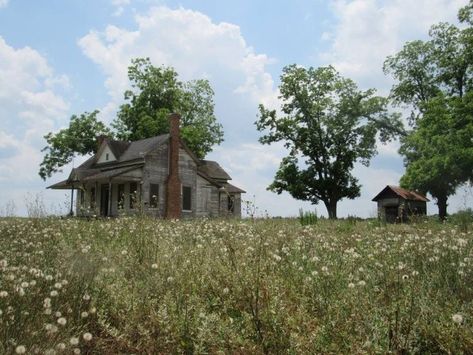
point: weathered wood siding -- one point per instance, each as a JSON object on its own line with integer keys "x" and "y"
{"x": 156, "y": 171}
{"x": 207, "y": 199}
{"x": 188, "y": 176}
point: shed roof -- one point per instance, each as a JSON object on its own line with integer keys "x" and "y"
{"x": 403, "y": 193}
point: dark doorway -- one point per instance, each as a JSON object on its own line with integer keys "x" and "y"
{"x": 391, "y": 214}
{"x": 104, "y": 192}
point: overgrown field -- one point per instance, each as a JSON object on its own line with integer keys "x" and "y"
{"x": 242, "y": 287}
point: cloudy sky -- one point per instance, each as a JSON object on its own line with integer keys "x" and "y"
{"x": 59, "y": 58}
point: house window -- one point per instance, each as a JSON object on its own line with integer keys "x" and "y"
{"x": 230, "y": 205}
{"x": 106, "y": 156}
{"x": 92, "y": 197}
{"x": 186, "y": 198}
{"x": 121, "y": 196}
{"x": 133, "y": 194}
{"x": 153, "y": 195}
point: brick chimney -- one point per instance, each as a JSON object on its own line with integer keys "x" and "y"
{"x": 173, "y": 197}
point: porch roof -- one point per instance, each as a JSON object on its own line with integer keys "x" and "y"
{"x": 108, "y": 174}
{"x": 63, "y": 185}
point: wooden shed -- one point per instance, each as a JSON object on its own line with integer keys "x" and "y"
{"x": 396, "y": 204}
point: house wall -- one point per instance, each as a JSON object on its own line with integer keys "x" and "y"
{"x": 188, "y": 177}
{"x": 207, "y": 199}
{"x": 223, "y": 205}
{"x": 386, "y": 202}
{"x": 156, "y": 170}
{"x": 404, "y": 208}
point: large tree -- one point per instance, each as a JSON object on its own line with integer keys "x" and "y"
{"x": 432, "y": 77}
{"x": 155, "y": 93}
{"x": 327, "y": 124}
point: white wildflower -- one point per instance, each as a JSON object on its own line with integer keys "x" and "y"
{"x": 20, "y": 349}
{"x": 62, "y": 321}
{"x": 87, "y": 336}
{"x": 457, "y": 318}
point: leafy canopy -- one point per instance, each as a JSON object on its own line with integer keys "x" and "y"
{"x": 327, "y": 124}
{"x": 155, "y": 93}
{"x": 78, "y": 138}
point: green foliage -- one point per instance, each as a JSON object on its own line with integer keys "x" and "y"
{"x": 307, "y": 218}
{"x": 77, "y": 139}
{"x": 156, "y": 92}
{"x": 328, "y": 124}
{"x": 259, "y": 286}
{"x": 439, "y": 152}
{"x": 435, "y": 77}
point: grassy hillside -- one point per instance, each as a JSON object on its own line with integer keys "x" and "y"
{"x": 151, "y": 286}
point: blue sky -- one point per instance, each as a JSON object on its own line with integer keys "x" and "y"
{"x": 59, "y": 58}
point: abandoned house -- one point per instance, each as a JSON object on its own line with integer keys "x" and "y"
{"x": 396, "y": 204}
{"x": 159, "y": 176}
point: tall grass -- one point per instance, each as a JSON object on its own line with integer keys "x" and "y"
{"x": 137, "y": 285}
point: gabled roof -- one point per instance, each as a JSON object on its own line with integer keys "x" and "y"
{"x": 118, "y": 147}
{"x": 400, "y": 192}
{"x": 138, "y": 149}
{"x": 129, "y": 154}
{"x": 213, "y": 170}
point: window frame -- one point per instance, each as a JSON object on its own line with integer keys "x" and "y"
{"x": 183, "y": 189}
{"x": 153, "y": 202}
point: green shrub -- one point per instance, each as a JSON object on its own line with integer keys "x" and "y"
{"x": 307, "y": 218}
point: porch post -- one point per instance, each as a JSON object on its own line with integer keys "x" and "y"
{"x": 71, "y": 213}
{"x": 110, "y": 197}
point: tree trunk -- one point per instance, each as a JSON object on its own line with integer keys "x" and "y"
{"x": 331, "y": 206}
{"x": 442, "y": 205}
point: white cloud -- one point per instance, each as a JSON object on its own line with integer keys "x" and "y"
{"x": 119, "y": 6}
{"x": 368, "y": 31}
{"x": 190, "y": 42}
{"x": 3, "y": 3}
{"x": 30, "y": 107}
